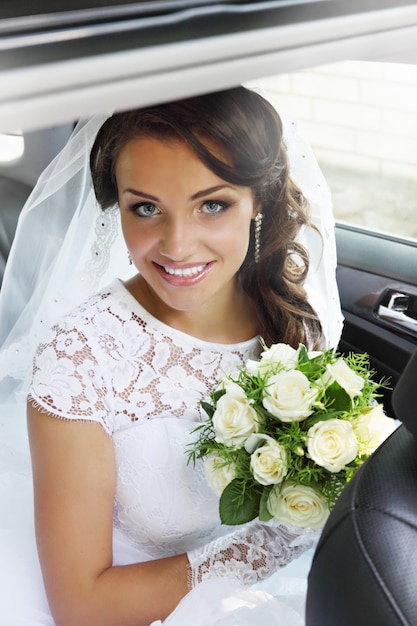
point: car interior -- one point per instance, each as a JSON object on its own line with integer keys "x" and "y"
{"x": 59, "y": 64}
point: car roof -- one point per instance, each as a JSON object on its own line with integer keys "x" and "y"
{"x": 58, "y": 65}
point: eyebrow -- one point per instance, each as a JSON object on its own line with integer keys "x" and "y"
{"x": 206, "y": 192}
{"x": 195, "y": 196}
{"x": 142, "y": 194}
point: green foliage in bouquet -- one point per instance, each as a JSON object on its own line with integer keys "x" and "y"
{"x": 287, "y": 433}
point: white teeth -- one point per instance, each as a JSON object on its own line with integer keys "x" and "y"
{"x": 188, "y": 271}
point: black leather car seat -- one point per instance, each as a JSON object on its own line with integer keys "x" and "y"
{"x": 364, "y": 571}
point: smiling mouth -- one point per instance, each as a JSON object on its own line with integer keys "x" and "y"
{"x": 185, "y": 271}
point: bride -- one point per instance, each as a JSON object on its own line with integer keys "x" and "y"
{"x": 129, "y": 334}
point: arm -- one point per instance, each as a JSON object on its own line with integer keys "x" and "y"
{"x": 74, "y": 479}
{"x": 251, "y": 553}
{"x": 74, "y": 483}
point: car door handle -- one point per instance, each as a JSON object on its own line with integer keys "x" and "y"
{"x": 399, "y": 308}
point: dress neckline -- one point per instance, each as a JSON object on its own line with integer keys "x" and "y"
{"x": 144, "y": 314}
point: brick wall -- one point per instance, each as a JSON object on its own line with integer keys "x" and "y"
{"x": 361, "y": 119}
{"x": 357, "y": 115}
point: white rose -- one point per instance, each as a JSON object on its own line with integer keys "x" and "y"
{"x": 332, "y": 444}
{"x": 279, "y": 354}
{"x": 234, "y": 419}
{"x": 289, "y": 396}
{"x": 298, "y": 505}
{"x": 314, "y": 353}
{"x": 371, "y": 428}
{"x": 252, "y": 367}
{"x": 341, "y": 373}
{"x": 232, "y": 389}
{"x": 268, "y": 462}
{"x": 218, "y": 473}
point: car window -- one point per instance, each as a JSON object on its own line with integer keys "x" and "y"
{"x": 361, "y": 119}
{"x": 12, "y": 147}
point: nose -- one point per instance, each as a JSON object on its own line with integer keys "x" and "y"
{"x": 177, "y": 239}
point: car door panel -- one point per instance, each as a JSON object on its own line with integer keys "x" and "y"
{"x": 377, "y": 280}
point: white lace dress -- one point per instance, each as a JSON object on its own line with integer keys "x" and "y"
{"x": 113, "y": 363}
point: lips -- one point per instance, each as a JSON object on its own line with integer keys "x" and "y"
{"x": 186, "y": 271}
{"x": 183, "y": 276}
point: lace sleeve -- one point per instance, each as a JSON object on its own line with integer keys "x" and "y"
{"x": 251, "y": 553}
{"x": 67, "y": 380}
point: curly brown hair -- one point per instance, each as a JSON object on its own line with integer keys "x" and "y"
{"x": 248, "y": 130}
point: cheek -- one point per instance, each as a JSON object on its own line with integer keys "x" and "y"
{"x": 232, "y": 243}
{"x": 236, "y": 232}
{"x": 128, "y": 236}
{"x": 134, "y": 234}
{"x": 241, "y": 237}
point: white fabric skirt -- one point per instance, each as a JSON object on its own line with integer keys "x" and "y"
{"x": 278, "y": 601}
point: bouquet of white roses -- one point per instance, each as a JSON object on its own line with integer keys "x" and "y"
{"x": 287, "y": 433}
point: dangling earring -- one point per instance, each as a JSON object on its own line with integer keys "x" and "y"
{"x": 258, "y": 225}
{"x": 129, "y": 257}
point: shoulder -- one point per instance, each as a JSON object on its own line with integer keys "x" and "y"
{"x": 77, "y": 360}
{"x": 113, "y": 299}
{"x": 99, "y": 311}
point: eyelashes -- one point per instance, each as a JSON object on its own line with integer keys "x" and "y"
{"x": 144, "y": 209}
{"x": 214, "y": 207}
{"x": 208, "y": 207}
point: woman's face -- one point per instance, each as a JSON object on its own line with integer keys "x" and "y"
{"x": 186, "y": 229}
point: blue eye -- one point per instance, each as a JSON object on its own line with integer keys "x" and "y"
{"x": 213, "y": 207}
{"x": 145, "y": 209}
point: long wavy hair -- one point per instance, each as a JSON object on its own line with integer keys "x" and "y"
{"x": 249, "y": 131}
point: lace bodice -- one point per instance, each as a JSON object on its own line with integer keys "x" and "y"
{"x": 113, "y": 363}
